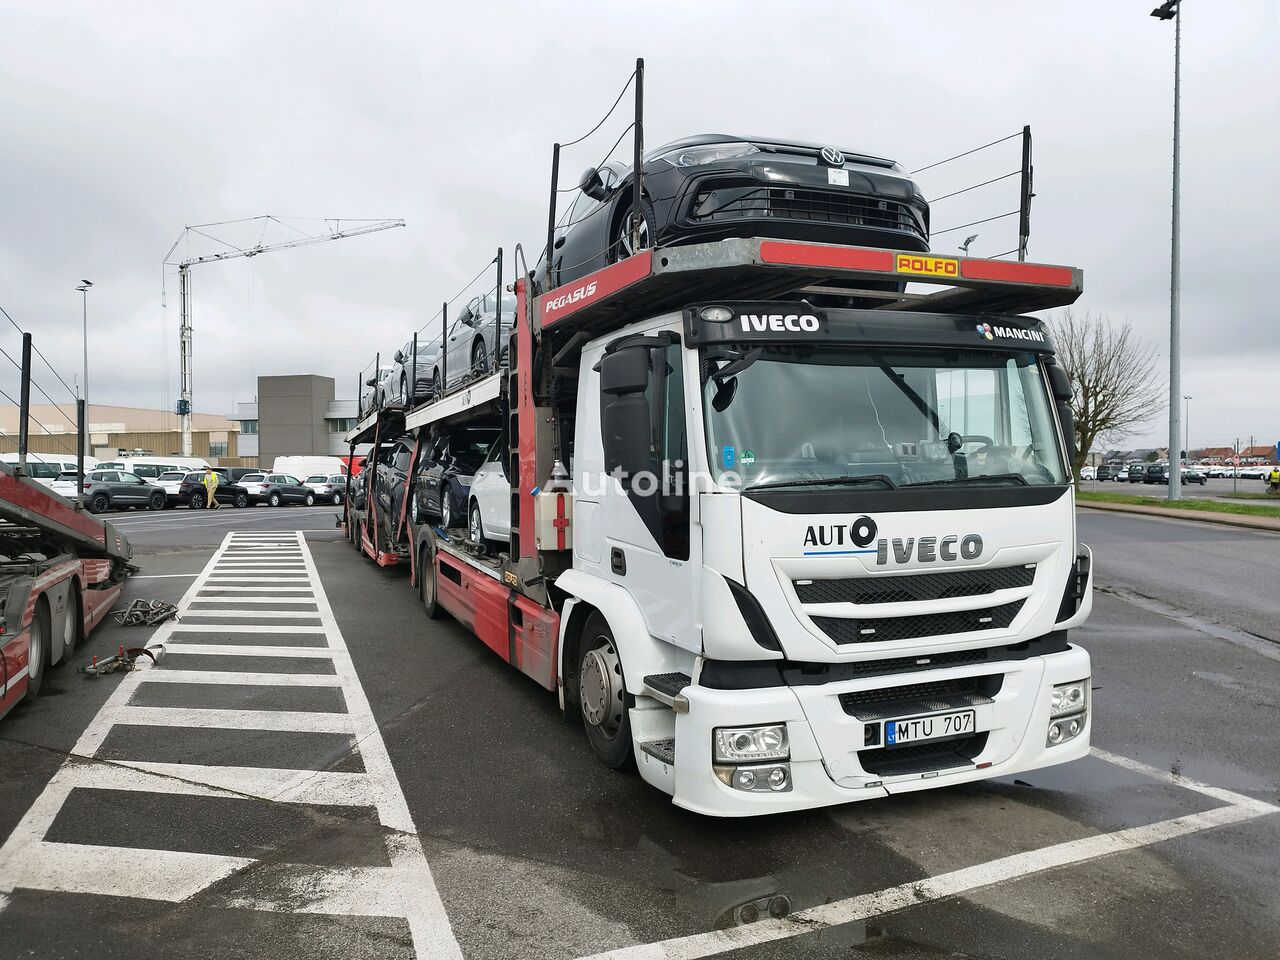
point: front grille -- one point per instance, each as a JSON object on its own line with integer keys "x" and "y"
{"x": 854, "y": 630}
{"x": 922, "y": 757}
{"x": 923, "y": 586}
{"x": 812, "y": 205}
{"x": 914, "y": 698}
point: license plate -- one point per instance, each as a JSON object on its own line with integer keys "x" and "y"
{"x": 916, "y": 729}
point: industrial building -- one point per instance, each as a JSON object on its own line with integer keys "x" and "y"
{"x": 115, "y": 430}
{"x": 294, "y": 416}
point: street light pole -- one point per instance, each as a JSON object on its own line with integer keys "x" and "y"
{"x": 1169, "y": 10}
{"x": 84, "y": 389}
{"x": 1186, "y": 425}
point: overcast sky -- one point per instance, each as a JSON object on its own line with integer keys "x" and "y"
{"x": 120, "y": 123}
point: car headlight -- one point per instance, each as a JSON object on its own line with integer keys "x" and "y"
{"x": 1069, "y": 698}
{"x": 708, "y": 153}
{"x": 751, "y": 744}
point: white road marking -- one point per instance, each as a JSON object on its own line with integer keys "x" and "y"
{"x": 162, "y": 576}
{"x": 216, "y": 599}
{"x": 263, "y": 783}
{"x": 865, "y": 906}
{"x": 405, "y": 889}
{"x": 237, "y": 678}
{"x": 238, "y": 590}
{"x": 215, "y": 718}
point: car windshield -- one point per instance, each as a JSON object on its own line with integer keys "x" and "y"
{"x": 902, "y": 417}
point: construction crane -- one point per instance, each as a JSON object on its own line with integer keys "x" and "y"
{"x": 333, "y": 230}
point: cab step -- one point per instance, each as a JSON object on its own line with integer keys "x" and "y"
{"x": 661, "y": 750}
{"x": 668, "y": 688}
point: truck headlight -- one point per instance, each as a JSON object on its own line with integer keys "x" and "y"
{"x": 1069, "y": 698}
{"x": 751, "y": 744}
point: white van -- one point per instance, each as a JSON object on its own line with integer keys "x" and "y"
{"x": 148, "y": 468}
{"x": 45, "y": 467}
{"x": 309, "y": 466}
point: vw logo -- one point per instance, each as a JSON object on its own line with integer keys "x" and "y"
{"x": 832, "y": 157}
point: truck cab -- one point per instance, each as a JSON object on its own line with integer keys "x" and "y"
{"x": 842, "y": 541}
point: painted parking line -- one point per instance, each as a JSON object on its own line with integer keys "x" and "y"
{"x": 402, "y": 889}
{"x": 1238, "y": 809}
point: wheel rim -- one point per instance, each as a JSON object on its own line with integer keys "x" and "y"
{"x": 624, "y": 236}
{"x": 35, "y": 648}
{"x": 435, "y": 384}
{"x": 446, "y": 513}
{"x": 477, "y": 530}
{"x": 275, "y": 500}
{"x": 427, "y": 579}
{"x": 481, "y": 361}
{"x": 600, "y": 688}
{"x": 69, "y": 624}
{"x": 337, "y": 499}
{"x": 99, "y": 503}
{"x": 310, "y": 500}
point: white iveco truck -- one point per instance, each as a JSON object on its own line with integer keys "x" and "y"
{"x": 809, "y": 554}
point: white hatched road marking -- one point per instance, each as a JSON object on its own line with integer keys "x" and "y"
{"x": 405, "y": 889}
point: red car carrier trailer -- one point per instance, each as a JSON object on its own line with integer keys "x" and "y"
{"x": 61, "y": 570}
{"x": 817, "y": 540}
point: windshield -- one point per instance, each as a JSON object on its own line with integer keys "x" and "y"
{"x": 802, "y": 414}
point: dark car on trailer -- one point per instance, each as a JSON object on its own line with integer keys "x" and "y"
{"x": 443, "y": 476}
{"x": 712, "y": 186}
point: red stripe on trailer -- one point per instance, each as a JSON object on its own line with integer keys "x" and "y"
{"x": 52, "y": 508}
{"x": 526, "y": 425}
{"x": 821, "y": 255}
{"x": 569, "y": 298}
{"x": 1031, "y": 273}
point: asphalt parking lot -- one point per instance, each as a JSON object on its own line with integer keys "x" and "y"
{"x": 1213, "y": 488}
{"x": 322, "y": 772}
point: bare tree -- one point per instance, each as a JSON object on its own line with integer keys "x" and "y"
{"x": 1115, "y": 387}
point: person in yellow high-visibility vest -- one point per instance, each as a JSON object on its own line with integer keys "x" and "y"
{"x": 210, "y": 486}
{"x": 1273, "y": 480}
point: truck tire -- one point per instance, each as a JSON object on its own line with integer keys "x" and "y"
{"x": 38, "y": 651}
{"x": 602, "y": 695}
{"x": 427, "y": 583}
{"x": 73, "y": 621}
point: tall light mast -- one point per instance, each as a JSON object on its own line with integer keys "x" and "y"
{"x": 333, "y": 230}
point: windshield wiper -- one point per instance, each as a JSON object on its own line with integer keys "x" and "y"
{"x": 993, "y": 478}
{"x": 846, "y": 481}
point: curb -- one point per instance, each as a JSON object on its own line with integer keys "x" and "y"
{"x": 1269, "y": 524}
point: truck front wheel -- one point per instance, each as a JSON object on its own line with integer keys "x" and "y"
{"x": 603, "y": 697}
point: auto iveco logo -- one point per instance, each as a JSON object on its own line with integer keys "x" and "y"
{"x": 860, "y": 533}
{"x": 832, "y": 157}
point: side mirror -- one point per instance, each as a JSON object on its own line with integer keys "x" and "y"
{"x": 624, "y": 417}
{"x": 591, "y": 184}
{"x": 399, "y": 356}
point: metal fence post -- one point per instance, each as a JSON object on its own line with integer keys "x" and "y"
{"x": 1024, "y": 203}
{"x": 444, "y": 348}
{"x": 412, "y": 392}
{"x": 551, "y": 213}
{"x": 80, "y": 448}
{"x": 637, "y": 186}
{"x": 497, "y": 319}
{"x": 24, "y": 404}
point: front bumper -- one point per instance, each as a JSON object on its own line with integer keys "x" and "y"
{"x": 826, "y": 741}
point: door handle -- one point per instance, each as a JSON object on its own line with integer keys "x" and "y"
{"x": 618, "y": 561}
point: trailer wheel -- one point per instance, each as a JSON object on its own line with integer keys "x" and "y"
{"x": 427, "y": 582}
{"x": 73, "y": 621}
{"x": 603, "y": 697}
{"x": 38, "y": 650}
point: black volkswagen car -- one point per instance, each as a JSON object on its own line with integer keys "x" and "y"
{"x": 713, "y": 186}
{"x": 443, "y": 477}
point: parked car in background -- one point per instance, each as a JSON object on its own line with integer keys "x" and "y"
{"x": 1159, "y": 473}
{"x": 186, "y": 488}
{"x": 112, "y": 490}
{"x": 475, "y": 345}
{"x": 375, "y": 391}
{"x": 489, "y": 501}
{"x": 303, "y": 466}
{"x": 1087, "y": 473}
{"x": 1137, "y": 472}
{"x": 442, "y": 480}
{"x": 151, "y": 467}
{"x": 277, "y": 489}
{"x": 1105, "y": 471}
{"x": 713, "y": 186}
{"x": 328, "y": 487}
{"x": 404, "y": 367}
{"x": 1121, "y": 474}
{"x": 45, "y": 468}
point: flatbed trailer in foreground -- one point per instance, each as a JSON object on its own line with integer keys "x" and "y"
{"x": 61, "y": 571}
{"x": 818, "y": 538}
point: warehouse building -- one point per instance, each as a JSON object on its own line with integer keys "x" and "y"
{"x": 114, "y": 431}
